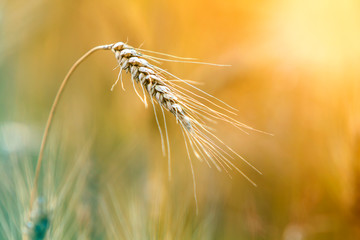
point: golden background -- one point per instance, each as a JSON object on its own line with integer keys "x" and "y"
{"x": 295, "y": 73}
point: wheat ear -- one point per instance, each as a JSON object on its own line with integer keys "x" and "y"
{"x": 184, "y": 104}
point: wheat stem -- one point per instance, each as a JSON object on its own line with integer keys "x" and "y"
{"x": 51, "y": 115}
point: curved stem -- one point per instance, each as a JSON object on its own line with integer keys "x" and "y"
{"x": 51, "y": 115}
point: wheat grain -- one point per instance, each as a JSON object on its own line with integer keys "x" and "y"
{"x": 146, "y": 75}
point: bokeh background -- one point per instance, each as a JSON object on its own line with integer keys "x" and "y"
{"x": 295, "y": 73}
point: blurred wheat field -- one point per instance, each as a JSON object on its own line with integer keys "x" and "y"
{"x": 295, "y": 73}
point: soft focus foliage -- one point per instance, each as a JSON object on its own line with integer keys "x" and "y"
{"x": 295, "y": 73}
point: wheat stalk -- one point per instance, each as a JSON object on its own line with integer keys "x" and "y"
{"x": 51, "y": 115}
{"x": 33, "y": 191}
